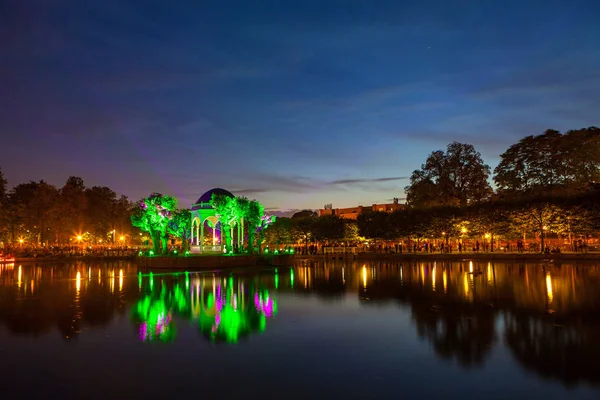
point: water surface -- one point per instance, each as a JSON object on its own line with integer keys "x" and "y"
{"x": 316, "y": 330}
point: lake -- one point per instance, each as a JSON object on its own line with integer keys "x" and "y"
{"x": 328, "y": 329}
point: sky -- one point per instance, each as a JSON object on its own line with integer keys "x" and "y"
{"x": 293, "y": 103}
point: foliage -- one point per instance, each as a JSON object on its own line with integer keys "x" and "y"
{"x": 550, "y": 163}
{"x": 180, "y": 226}
{"x": 328, "y": 228}
{"x": 228, "y": 211}
{"x": 304, "y": 214}
{"x": 374, "y": 225}
{"x": 303, "y": 229}
{"x": 457, "y": 177}
{"x": 153, "y": 215}
{"x": 280, "y": 232}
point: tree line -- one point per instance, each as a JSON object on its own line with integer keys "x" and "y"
{"x": 546, "y": 185}
{"x": 38, "y": 213}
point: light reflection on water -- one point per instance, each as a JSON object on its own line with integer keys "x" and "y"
{"x": 499, "y": 327}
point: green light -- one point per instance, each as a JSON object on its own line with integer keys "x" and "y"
{"x": 292, "y": 277}
{"x": 276, "y": 252}
{"x": 151, "y": 253}
{"x": 141, "y": 253}
{"x": 187, "y": 253}
{"x": 175, "y": 252}
{"x": 276, "y": 281}
{"x": 267, "y": 250}
{"x": 139, "y": 281}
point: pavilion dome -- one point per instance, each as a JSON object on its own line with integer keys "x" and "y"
{"x": 205, "y": 198}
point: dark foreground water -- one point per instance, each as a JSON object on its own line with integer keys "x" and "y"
{"x": 320, "y": 330}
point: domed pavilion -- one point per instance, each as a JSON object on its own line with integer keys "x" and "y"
{"x": 206, "y": 220}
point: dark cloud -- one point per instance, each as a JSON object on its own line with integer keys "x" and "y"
{"x": 366, "y": 180}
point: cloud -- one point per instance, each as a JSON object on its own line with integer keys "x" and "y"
{"x": 366, "y": 180}
{"x": 303, "y": 184}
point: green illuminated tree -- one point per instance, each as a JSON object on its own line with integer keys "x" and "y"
{"x": 265, "y": 222}
{"x": 181, "y": 226}
{"x": 253, "y": 213}
{"x": 228, "y": 211}
{"x": 153, "y": 215}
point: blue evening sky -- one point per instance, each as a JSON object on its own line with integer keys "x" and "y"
{"x": 294, "y": 103}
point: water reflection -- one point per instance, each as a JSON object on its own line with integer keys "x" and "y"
{"x": 38, "y": 299}
{"x": 544, "y": 316}
{"x": 224, "y": 309}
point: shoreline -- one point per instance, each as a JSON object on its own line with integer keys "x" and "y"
{"x": 67, "y": 259}
{"x": 513, "y": 257}
{"x": 219, "y": 261}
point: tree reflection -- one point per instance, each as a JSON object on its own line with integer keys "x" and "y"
{"x": 36, "y": 300}
{"x": 223, "y": 309}
{"x": 569, "y": 353}
{"x": 464, "y": 335}
{"x": 550, "y": 313}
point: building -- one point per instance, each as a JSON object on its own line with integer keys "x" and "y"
{"x": 354, "y": 212}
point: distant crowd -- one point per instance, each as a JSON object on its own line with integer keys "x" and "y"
{"x": 69, "y": 251}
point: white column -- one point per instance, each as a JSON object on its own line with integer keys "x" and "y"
{"x": 215, "y": 234}
{"x": 192, "y": 232}
{"x": 201, "y": 238}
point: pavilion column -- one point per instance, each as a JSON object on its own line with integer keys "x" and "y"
{"x": 242, "y": 232}
{"x": 197, "y": 233}
{"x": 201, "y": 238}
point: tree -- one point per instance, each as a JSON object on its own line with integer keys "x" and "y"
{"x": 33, "y": 211}
{"x": 303, "y": 229}
{"x": 375, "y": 225}
{"x": 550, "y": 163}
{"x": 253, "y": 213}
{"x": 72, "y": 208}
{"x": 491, "y": 219}
{"x": 304, "y": 214}
{"x": 228, "y": 210}
{"x": 180, "y": 226}
{"x": 3, "y": 207}
{"x": 153, "y": 215}
{"x": 329, "y": 228}
{"x": 539, "y": 218}
{"x": 457, "y": 177}
{"x": 265, "y": 222}
{"x": 280, "y": 232}
{"x": 351, "y": 232}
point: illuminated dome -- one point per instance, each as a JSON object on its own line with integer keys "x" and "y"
{"x": 205, "y": 198}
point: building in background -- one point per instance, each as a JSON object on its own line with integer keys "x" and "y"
{"x": 354, "y": 212}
